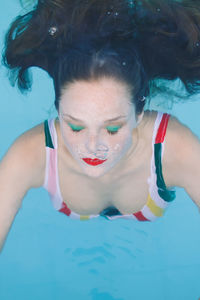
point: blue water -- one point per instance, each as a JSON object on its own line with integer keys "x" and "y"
{"x": 49, "y": 256}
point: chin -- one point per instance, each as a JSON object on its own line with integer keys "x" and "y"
{"x": 94, "y": 172}
{"x": 95, "y": 175}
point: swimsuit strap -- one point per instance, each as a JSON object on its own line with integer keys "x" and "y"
{"x": 51, "y": 182}
{"x": 159, "y": 196}
{"x": 157, "y": 187}
{"x": 50, "y": 134}
{"x": 159, "y": 144}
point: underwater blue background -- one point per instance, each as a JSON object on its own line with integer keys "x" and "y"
{"x": 49, "y": 256}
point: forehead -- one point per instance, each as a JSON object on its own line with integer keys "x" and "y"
{"x": 103, "y": 96}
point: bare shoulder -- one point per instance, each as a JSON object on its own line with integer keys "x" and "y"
{"x": 180, "y": 138}
{"x": 27, "y": 154}
{"x": 182, "y": 148}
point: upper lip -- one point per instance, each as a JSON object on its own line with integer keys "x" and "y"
{"x": 93, "y": 158}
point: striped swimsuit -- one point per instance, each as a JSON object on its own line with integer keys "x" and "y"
{"x": 159, "y": 196}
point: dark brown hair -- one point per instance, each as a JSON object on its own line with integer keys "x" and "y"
{"x": 139, "y": 42}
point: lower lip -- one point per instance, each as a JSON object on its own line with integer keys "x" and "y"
{"x": 93, "y": 162}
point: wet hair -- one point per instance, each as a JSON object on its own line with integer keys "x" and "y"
{"x": 140, "y": 43}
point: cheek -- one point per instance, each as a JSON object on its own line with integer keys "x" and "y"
{"x": 74, "y": 142}
{"x": 122, "y": 143}
{"x": 69, "y": 138}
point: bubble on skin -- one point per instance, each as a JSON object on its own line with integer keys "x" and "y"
{"x": 115, "y": 154}
{"x": 99, "y": 154}
{"x": 117, "y": 147}
{"x": 78, "y": 150}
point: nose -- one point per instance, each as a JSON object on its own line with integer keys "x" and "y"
{"x": 94, "y": 145}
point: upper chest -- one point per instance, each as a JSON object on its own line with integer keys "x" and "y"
{"x": 128, "y": 193}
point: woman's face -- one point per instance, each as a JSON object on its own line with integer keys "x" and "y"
{"x": 96, "y": 123}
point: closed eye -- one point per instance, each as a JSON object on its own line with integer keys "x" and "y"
{"x": 76, "y": 128}
{"x": 111, "y": 129}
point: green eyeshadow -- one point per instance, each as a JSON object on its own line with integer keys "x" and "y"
{"x": 113, "y": 128}
{"x": 74, "y": 127}
{"x": 109, "y": 128}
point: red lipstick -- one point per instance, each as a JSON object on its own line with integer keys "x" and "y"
{"x": 93, "y": 162}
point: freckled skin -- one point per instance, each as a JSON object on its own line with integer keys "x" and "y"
{"x": 94, "y": 102}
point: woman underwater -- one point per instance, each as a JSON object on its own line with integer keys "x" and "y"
{"x": 104, "y": 155}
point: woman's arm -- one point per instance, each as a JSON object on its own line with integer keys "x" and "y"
{"x": 21, "y": 169}
{"x": 185, "y": 165}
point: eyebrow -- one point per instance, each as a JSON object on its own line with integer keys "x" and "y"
{"x": 106, "y": 121}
